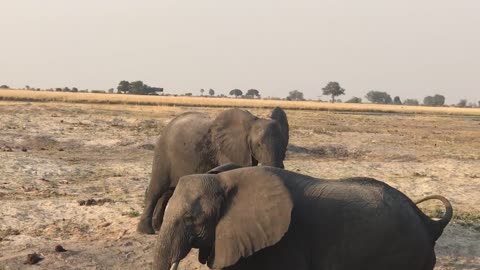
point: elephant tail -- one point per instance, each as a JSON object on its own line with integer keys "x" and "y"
{"x": 437, "y": 226}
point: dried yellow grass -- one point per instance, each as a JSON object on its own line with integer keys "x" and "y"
{"x": 98, "y": 98}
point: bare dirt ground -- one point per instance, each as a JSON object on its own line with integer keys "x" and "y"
{"x": 53, "y": 155}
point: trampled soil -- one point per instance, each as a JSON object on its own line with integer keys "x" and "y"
{"x": 53, "y": 155}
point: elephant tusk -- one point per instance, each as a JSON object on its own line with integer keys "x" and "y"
{"x": 174, "y": 266}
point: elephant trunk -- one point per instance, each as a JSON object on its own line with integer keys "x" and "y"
{"x": 173, "y": 244}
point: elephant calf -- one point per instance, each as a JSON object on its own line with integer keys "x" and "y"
{"x": 195, "y": 143}
{"x": 269, "y": 218}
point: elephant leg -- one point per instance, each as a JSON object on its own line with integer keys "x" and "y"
{"x": 156, "y": 189}
{"x": 160, "y": 209}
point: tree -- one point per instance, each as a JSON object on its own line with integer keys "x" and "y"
{"x": 66, "y": 89}
{"x": 123, "y": 87}
{"x": 439, "y": 100}
{"x": 188, "y": 94}
{"x": 397, "y": 101}
{"x": 354, "y": 100}
{"x": 378, "y": 97}
{"x": 27, "y": 87}
{"x": 137, "y": 87}
{"x": 211, "y": 92}
{"x": 202, "y": 91}
{"x": 436, "y": 100}
{"x": 462, "y": 103}
{"x": 253, "y": 93}
{"x": 4, "y": 86}
{"x": 428, "y": 101}
{"x": 333, "y": 89}
{"x": 295, "y": 95}
{"x": 411, "y": 102}
{"x": 236, "y": 92}
{"x": 75, "y": 89}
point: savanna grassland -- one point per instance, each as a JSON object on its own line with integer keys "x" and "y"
{"x": 100, "y": 98}
{"x": 55, "y": 154}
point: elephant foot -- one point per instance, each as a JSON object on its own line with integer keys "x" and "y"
{"x": 145, "y": 226}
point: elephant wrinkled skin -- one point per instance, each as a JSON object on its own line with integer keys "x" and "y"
{"x": 195, "y": 143}
{"x": 268, "y": 218}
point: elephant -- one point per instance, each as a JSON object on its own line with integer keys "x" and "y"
{"x": 193, "y": 142}
{"x": 268, "y": 218}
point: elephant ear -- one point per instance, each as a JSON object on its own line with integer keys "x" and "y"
{"x": 230, "y": 133}
{"x": 224, "y": 168}
{"x": 256, "y": 214}
{"x": 281, "y": 117}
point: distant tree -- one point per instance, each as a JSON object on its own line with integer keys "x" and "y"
{"x": 428, "y": 101}
{"x": 462, "y": 103}
{"x": 4, "y": 86}
{"x": 333, "y": 89}
{"x": 479, "y": 103}
{"x": 188, "y": 94}
{"x": 123, "y": 87}
{"x": 211, "y": 92}
{"x": 202, "y": 91}
{"x": 58, "y": 89}
{"x": 439, "y": 100}
{"x": 236, "y": 92}
{"x": 252, "y": 93}
{"x": 137, "y": 87}
{"x": 27, "y": 87}
{"x": 66, "y": 89}
{"x": 75, "y": 89}
{"x": 109, "y": 90}
{"x": 397, "y": 101}
{"x": 354, "y": 100}
{"x": 295, "y": 95}
{"x": 436, "y": 100}
{"x": 411, "y": 102}
{"x": 378, "y": 97}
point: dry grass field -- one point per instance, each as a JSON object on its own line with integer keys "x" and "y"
{"x": 54, "y": 154}
{"x": 98, "y": 98}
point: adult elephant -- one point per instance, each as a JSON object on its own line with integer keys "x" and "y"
{"x": 195, "y": 143}
{"x": 269, "y": 218}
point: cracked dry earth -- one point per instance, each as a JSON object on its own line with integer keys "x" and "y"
{"x": 53, "y": 155}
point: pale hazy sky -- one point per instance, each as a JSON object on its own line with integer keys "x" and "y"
{"x": 407, "y": 48}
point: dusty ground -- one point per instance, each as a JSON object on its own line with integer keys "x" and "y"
{"x": 52, "y": 155}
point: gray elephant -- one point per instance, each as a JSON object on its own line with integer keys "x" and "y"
{"x": 268, "y": 218}
{"x": 195, "y": 143}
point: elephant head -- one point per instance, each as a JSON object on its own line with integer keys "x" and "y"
{"x": 223, "y": 216}
{"x": 246, "y": 140}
